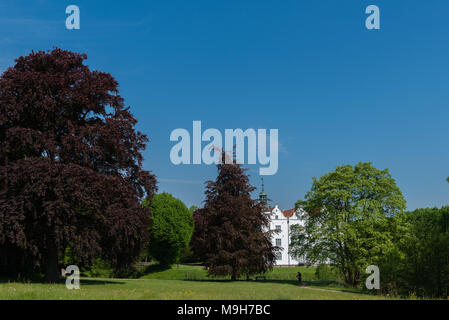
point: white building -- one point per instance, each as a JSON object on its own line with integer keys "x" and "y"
{"x": 282, "y": 220}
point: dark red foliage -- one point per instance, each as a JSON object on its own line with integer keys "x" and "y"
{"x": 70, "y": 166}
{"x": 231, "y": 232}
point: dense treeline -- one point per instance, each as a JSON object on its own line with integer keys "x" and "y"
{"x": 357, "y": 218}
{"x": 418, "y": 263}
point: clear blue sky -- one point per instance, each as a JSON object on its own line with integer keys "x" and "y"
{"x": 337, "y": 92}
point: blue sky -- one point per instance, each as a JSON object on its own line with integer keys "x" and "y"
{"x": 337, "y": 92}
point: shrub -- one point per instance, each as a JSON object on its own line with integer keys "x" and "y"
{"x": 171, "y": 230}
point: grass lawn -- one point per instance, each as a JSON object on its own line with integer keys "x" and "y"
{"x": 186, "y": 282}
{"x": 194, "y": 272}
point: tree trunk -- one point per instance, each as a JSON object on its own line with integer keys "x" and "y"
{"x": 51, "y": 264}
{"x": 439, "y": 287}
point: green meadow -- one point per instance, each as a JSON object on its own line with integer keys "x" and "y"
{"x": 187, "y": 282}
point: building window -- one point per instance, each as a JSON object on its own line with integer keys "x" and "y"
{"x": 276, "y": 217}
{"x": 278, "y": 228}
{"x": 278, "y": 242}
{"x": 278, "y": 256}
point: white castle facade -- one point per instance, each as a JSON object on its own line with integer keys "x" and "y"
{"x": 281, "y": 221}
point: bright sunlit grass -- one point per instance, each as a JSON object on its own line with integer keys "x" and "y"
{"x": 186, "y": 282}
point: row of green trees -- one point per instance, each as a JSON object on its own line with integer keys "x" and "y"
{"x": 357, "y": 218}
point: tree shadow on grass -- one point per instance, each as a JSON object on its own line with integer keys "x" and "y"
{"x": 18, "y": 278}
{"x": 154, "y": 268}
{"x": 332, "y": 285}
{"x": 214, "y": 280}
{"x": 319, "y": 284}
{"x": 40, "y": 280}
{"x": 96, "y": 282}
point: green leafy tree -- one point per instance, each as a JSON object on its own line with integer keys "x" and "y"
{"x": 351, "y": 219}
{"x": 419, "y": 262}
{"x": 171, "y": 230}
{"x": 187, "y": 254}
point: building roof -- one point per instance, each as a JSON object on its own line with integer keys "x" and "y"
{"x": 288, "y": 213}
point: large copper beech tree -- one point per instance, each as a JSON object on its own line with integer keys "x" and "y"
{"x": 70, "y": 167}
